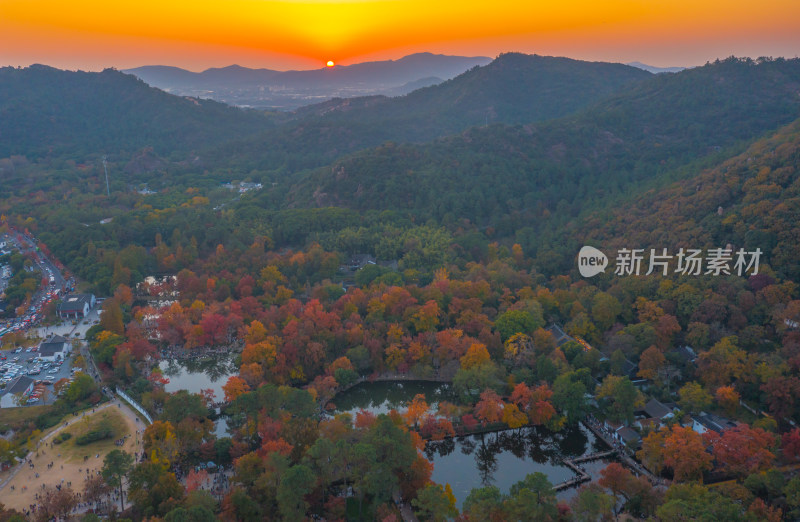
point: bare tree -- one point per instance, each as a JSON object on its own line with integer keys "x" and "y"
{"x": 95, "y": 489}
{"x": 57, "y": 503}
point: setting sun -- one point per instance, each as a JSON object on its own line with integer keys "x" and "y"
{"x": 286, "y": 34}
{"x": 330, "y": 63}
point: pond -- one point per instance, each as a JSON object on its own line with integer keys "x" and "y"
{"x": 473, "y": 461}
{"x": 381, "y": 397}
{"x": 196, "y": 374}
{"x": 503, "y": 458}
{"x": 221, "y": 425}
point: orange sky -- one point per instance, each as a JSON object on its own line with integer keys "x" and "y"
{"x": 90, "y": 34}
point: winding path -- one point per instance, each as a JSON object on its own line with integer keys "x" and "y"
{"x": 42, "y": 444}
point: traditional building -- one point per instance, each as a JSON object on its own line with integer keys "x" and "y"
{"x": 55, "y": 349}
{"x": 23, "y": 385}
{"x": 76, "y": 306}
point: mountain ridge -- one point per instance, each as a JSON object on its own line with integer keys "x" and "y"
{"x": 239, "y": 85}
{"x": 513, "y": 88}
{"x": 44, "y": 110}
{"x": 534, "y": 178}
{"x": 656, "y": 70}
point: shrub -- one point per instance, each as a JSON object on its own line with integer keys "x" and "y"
{"x": 62, "y": 437}
{"x": 94, "y": 436}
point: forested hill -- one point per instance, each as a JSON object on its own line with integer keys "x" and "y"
{"x": 751, "y": 200}
{"x": 46, "y": 110}
{"x": 516, "y": 177}
{"x": 514, "y": 88}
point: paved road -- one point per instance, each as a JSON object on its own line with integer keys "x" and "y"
{"x": 27, "y": 245}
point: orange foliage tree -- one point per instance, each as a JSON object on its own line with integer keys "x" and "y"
{"x": 541, "y": 411}
{"x": 685, "y": 453}
{"x": 417, "y": 409}
{"x": 742, "y": 450}
{"x": 650, "y": 362}
{"x": 234, "y": 387}
{"x": 728, "y": 398}
{"x": 489, "y": 408}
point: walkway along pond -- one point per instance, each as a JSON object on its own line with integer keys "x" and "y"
{"x": 500, "y": 458}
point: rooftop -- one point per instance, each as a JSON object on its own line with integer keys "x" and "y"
{"x": 714, "y": 422}
{"x": 52, "y": 346}
{"x": 629, "y": 435}
{"x": 559, "y": 336}
{"x": 20, "y": 385}
{"x": 75, "y": 302}
{"x": 656, "y": 409}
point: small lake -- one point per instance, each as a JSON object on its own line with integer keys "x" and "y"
{"x": 503, "y": 458}
{"x": 473, "y": 461}
{"x": 221, "y": 425}
{"x": 381, "y": 397}
{"x": 194, "y": 375}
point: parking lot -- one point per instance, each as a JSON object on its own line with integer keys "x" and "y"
{"x": 25, "y": 361}
{"x": 54, "y": 285}
{"x": 45, "y": 374}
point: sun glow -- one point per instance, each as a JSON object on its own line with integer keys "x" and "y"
{"x": 330, "y": 63}
{"x": 258, "y": 32}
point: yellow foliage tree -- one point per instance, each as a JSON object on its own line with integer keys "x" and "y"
{"x": 160, "y": 442}
{"x": 513, "y": 417}
{"x": 476, "y": 355}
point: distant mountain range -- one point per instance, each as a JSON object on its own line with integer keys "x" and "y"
{"x": 266, "y": 88}
{"x": 513, "y": 89}
{"x": 656, "y": 70}
{"x": 45, "y": 109}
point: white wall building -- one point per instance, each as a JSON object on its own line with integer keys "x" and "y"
{"x": 22, "y": 385}
{"x": 55, "y": 349}
{"x": 76, "y": 306}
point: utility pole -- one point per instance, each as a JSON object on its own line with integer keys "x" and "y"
{"x": 105, "y": 168}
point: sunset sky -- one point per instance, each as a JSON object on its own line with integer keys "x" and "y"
{"x": 304, "y": 34}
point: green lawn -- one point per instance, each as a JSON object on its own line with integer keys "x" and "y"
{"x": 111, "y": 417}
{"x": 16, "y": 416}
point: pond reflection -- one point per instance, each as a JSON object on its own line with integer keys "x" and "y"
{"x": 503, "y": 458}
{"x": 200, "y": 373}
{"x": 381, "y": 397}
{"x": 499, "y": 458}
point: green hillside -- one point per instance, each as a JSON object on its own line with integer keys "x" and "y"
{"x": 526, "y": 181}
{"x": 749, "y": 201}
{"x": 514, "y": 88}
{"x": 49, "y": 111}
